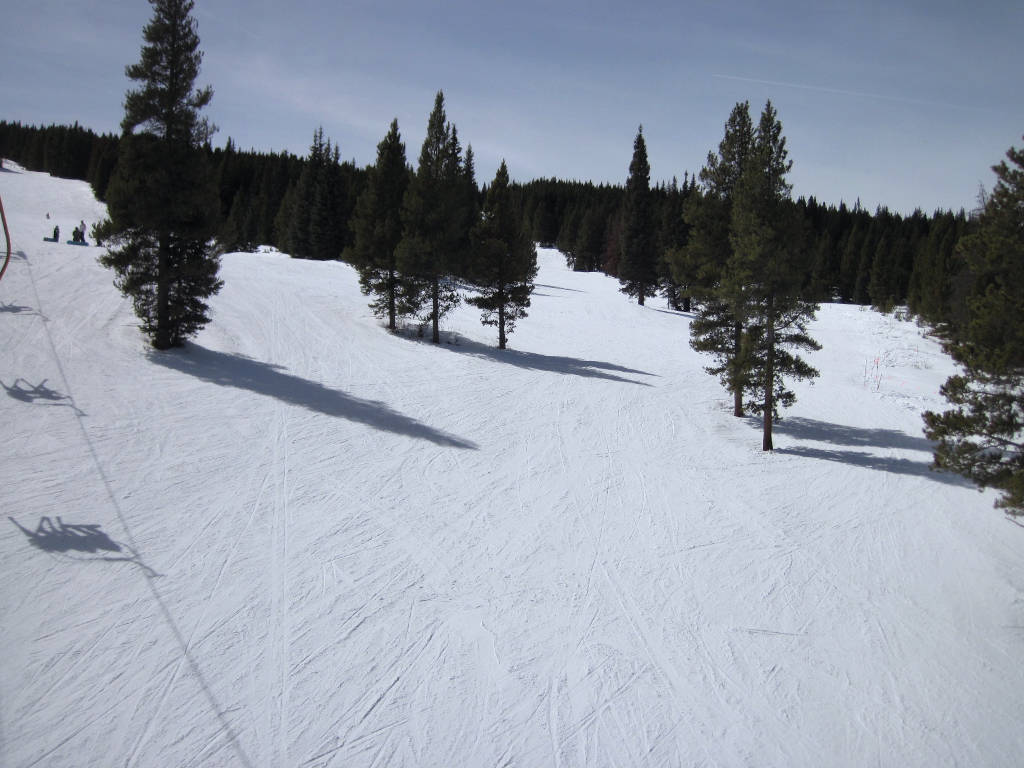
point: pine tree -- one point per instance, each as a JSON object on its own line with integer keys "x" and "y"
{"x": 569, "y": 235}
{"x": 673, "y": 236}
{"x": 714, "y": 331}
{"x": 613, "y": 243}
{"x": 306, "y": 197}
{"x": 435, "y": 221}
{"x": 766, "y": 274}
{"x": 638, "y": 263}
{"x": 325, "y": 230}
{"x": 377, "y": 224}
{"x": 820, "y": 284}
{"x": 700, "y": 266}
{"x": 934, "y": 268}
{"x": 850, "y": 261}
{"x": 982, "y": 436}
{"x": 869, "y": 245}
{"x": 590, "y": 240}
{"x": 506, "y": 260}
{"x": 881, "y": 277}
{"x": 162, "y": 198}
{"x": 469, "y": 213}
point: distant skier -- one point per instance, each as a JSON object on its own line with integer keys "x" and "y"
{"x": 56, "y": 234}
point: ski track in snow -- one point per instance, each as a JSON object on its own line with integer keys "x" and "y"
{"x": 320, "y": 544}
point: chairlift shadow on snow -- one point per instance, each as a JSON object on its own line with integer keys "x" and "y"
{"x": 534, "y": 361}
{"x": 38, "y": 393}
{"x": 16, "y": 309}
{"x": 860, "y": 437}
{"x": 231, "y": 370}
{"x": 62, "y": 538}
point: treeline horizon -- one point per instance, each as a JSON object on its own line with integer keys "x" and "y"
{"x": 304, "y": 207}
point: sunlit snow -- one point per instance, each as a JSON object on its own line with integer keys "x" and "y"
{"x": 302, "y": 541}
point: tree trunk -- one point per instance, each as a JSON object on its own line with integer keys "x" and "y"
{"x": 672, "y": 294}
{"x": 501, "y": 326}
{"x": 392, "y": 290}
{"x": 686, "y": 303}
{"x": 436, "y": 301}
{"x": 640, "y": 301}
{"x": 769, "y": 375}
{"x": 737, "y": 386}
{"x": 162, "y": 337}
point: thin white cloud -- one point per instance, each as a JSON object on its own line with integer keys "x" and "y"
{"x": 859, "y": 94}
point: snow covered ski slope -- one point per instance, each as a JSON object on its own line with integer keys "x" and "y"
{"x": 301, "y": 541}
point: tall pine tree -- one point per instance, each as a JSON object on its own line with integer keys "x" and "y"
{"x": 377, "y": 224}
{"x": 766, "y": 274}
{"x": 435, "y": 220}
{"x": 306, "y": 199}
{"x": 505, "y": 262}
{"x": 162, "y": 198}
{"x": 982, "y": 436}
{"x": 638, "y": 263}
{"x": 700, "y": 266}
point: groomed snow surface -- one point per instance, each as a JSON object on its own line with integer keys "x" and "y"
{"x": 302, "y": 541}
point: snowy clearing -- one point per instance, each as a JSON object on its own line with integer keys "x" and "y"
{"x": 302, "y": 541}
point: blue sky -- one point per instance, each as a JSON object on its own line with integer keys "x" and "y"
{"x": 903, "y": 104}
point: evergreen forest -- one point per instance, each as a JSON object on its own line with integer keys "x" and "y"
{"x": 305, "y": 205}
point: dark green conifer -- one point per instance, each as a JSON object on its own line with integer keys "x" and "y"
{"x": 435, "y": 221}
{"x": 162, "y": 199}
{"x": 701, "y": 264}
{"x": 766, "y": 275}
{"x": 297, "y": 217}
{"x": 326, "y": 227}
{"x": 377, "y": 224}
{"x": 850, "y": 261}
{"x": 982, "y": 436}
{"x": 673, "y": 235}
{"x": 638, "y": 263}
{"x": 590, "y": 240}
{"x": 881, "y": 278}
{"x": 505, "y": 262}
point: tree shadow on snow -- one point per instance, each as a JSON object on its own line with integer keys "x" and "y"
{"x": 859, "y": 437}
{"x": 841, "y": 434}
{"x": 676, "y": 313}
{"x": 557, "y": 288}
{"x": 534, "y": 361}
{"x": 870, "y": 461}
{"x": 240, "y": 372}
